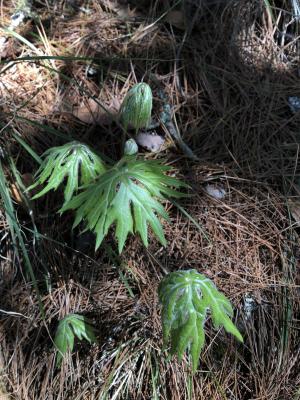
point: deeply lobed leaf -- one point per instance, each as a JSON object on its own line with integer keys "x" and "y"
{"x": 69, "y": 327}
{"x": 126, "y": 195}
{"x": 186, "y": 298}
{"x": 73, "y": 161}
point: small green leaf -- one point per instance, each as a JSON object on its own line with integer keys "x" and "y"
{"x": 186, "y": 297}
{"x": 73, "y": 161}
{"x": 69, "y": 327}
{"x": 136, "y": 108}
{"x": 126, "y": 196}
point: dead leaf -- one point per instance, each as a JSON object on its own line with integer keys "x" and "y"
{"x": 27, "y": 180}
{"x": 91, "y": 112}
{"x": 176, "y": 18}
{"x": 123, "y": 11}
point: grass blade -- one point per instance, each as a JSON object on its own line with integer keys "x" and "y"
{"x": 29, "y": 150}
{"x": 16, "y": 234}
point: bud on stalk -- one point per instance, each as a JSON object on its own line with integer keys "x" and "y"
{"x": 136, "y": 108}
{"x": 130, "y": 147}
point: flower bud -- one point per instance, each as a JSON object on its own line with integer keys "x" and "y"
{"x": 136, "y": 108}
{"x": 130, "y": 147}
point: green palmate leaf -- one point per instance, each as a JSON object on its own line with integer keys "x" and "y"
{"x": 186, "y": 297}
{"x": 136, "y": 108}
{"x": 74, "y": 161}
{"x": 126, "y": 195}
{"x": 69, "y": 327}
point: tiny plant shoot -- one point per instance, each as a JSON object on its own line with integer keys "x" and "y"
{"x": 69, "y": 327}
{"x": 135, "y": 111}
{"x": 74, "y": 161}
{"x": 186, "y": 298}
{"x": 126, "y": 195}
{"x": 130, "y": 148}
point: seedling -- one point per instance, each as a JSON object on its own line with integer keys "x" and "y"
{"x": 186, "y": 297}
{"x": 69, "y": 327}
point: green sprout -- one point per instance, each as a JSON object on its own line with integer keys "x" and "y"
{"x": 186, "y": 297}
{"x": 135, "y": 111}
{"x": 69, "y": 327}
{"x": 74, "y": 161}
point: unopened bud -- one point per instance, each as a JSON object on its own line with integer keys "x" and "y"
{"x": 130, "y": 147}
{"x": 136, "y": 108}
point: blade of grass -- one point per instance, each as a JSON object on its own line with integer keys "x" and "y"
{"x": 96, "y": 60}
{"x": 21, "y": 186}
{"x": 34, "y": 231}
{"x": 51, "y": 130}
{"x": 269, "y": 8}
{"x": 33, "y": 154}
{"x": 22, "y": 40}
{"x": 154, "y": 376}
{"x": 16, "y": 234}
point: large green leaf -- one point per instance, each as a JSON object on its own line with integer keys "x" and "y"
{"x": 186, "y": 297}
{"x": 69, "y": 327}
{"x": 126, "y": 195}
{"x": 74, "y": 161}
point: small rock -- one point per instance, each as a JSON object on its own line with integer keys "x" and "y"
{"x": 17, "y": 19}
{"x": 215, "y": 191}
{"x": 91, "y": 71}
{"x": 294, "y": 103}
{"x": 149, "y": 141}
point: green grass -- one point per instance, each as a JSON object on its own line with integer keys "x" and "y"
{"x": 17, "y": 234}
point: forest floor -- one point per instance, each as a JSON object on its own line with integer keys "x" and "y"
{"x": 229, "y": 73}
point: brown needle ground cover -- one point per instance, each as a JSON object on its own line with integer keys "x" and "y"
{"x": 227, "y": 73}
